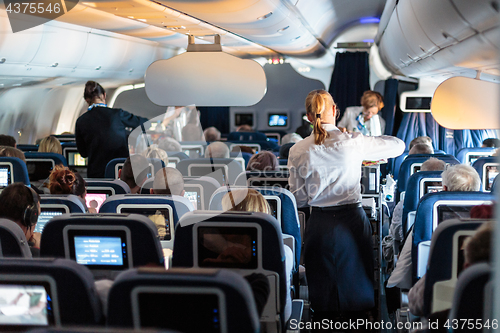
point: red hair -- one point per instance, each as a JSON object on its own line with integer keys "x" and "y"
{"x": 62, "y": 180}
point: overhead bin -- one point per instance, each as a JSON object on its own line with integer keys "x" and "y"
{"x": 482, "y": 16}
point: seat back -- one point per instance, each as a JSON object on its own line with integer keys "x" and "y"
{"x": 205, "y": 186}
{"x": 468, "y": 301}
{"x": 134, "y": 238}
{"x": 107, "y": 186}
{"x": 413, "y": 162}
{"x": 487, "y": 168}
{"x": 175, "y": 157}
{"x": 217, "y": 300}
{"x": 224, "y": 170}
{"x": 198, "y": 244}
{"x": 246, "y": 136}
{"x": 246, "y": 156}
{"x": 40, "y": 165}
{"x": 432, "y": 210}
{"x": 13, "y": 170}
{"x": 66, "y": 287}
{"x": 113, "y": 167}
{"x": 469, "y": 155}
{"x": 27, "y": 148}
{"x": 12, "y": 240}
{"x": 283, "y": 208}
{"x": 418, "y": 185}
{"x": 273, "y": 178}
{"x": 193, "y": 149}
{"x": 445, "y": 262}
{"x": 170, "y": 207}
{"x": 396, "y": 163}
{"x": 257, "y": 145}
{"x": 52, "y": 205}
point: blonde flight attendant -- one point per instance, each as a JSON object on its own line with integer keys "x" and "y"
{"x": 325, "y": 173}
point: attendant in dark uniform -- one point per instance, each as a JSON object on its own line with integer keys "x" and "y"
{"x": 100, "y": 132}
{"x": 325, "y": 173}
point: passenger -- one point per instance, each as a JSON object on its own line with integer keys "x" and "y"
{"x": 154, "y": 152}
{"x": 420, "y": 139}
{"x": 249, "y": 200}
{"x": 101, "y": 132}
{"x": 477, "y": 249}
{"x": 21, "y": 204}
{"x": 263, "y": 161}
{"x": 365, "y": 118}
{"x": 456, "y": 178}
{"x": 168, "y": 181}
{"x": 211, "y": 134}
{"x": 217, "y": 150}
{"x": 491, "y": 143}
{"x": 305, "y": 130}
{"x": 50, "y": 144}
{"x": 7, "y": 151}
{"x": 396, "y": 227}
{"x": 169, "y": 144}
{"x": 64, "y": 181}
{"x": 7, "y": 140}
{"x": 134, "y": 172}
{"x": 325, "y": 173}
{"x": 192, "y": 132}
{"x": 80, "y": 190}
{"x": 285, "y": 150}
{"x": 245, "y": 128}
{"x": 290, "y": 138}
{"x": 421, "y": 148}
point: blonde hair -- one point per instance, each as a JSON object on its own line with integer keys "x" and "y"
{"x": 317, "y": 101}
{"x": 50, "y": 144}
{"x": 372, "y": 98}
{"x": 248, "y": 200}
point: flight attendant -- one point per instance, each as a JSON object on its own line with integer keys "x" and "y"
{"x": 100, "y": 132}
{"x": 325, "y": 173}
{"x": 365, "y": 118}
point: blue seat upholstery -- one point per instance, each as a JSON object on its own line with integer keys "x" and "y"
{"x": 239, "y": 312}
{"x": 271, "y": 260}
{"x": 17, "y": 168}
{"x": 289, "y": 219}
{"x": 246, "y": 136}
{"x": 72, "y": 202}
{"x": 468, "y": 301}
{"x": 27, "y": 148}
{"x": 57, "y": 158}
{"x": 427, "y": 213}
{"x": 406, "y": 168}
{"x": 245, "y": 156}
{"x": 116, "y": 186}
{"x": 12, "y": 240}
{"x": 441, "y": 269}
{"x": 146, "y": 248}
{"x": 111, "y": 170}
{"x": 396, "y": 163}
{"x": 414, "y": 192}
{"x": 494, "y": 186}
{"x": 464, "y": 154}
{"x": 264, "y": 145}
{"x": 74, "y": 290}
{"x": 481, "y": 164}
{"x": 234, "y": 168}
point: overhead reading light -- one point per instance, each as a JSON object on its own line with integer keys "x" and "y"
{"x": 205, "y": 76}
{"x": 294, "y": 39}
{"x": 54, "y": 64}
{"x": 369, "y": 20}
{"x": 265, "y": 16}
{"x": 98, "y": 68}
{"x": 283, "y": 29}
{"x": 2, "y": 60}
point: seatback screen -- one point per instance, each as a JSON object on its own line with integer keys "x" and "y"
{"x": 278, "y": 120}
{"x": 453, "y": 212}
{"x": 75, "y": 159}
{"x": 39, "y": 170}
{"x": 177, "y": 313}
{"x": 160, "y": 217}
{"x": 273, "y": 204}
{"x": 25, "y": 304}
{"x": 491, "y": 173}
{"x": 99, "y": 249}
{"x": 46, "y": 215}
{"x": 227, "y": 247}
{"x": 243, "y": 119}
{"x": 5, "y": 176}
{"x": 193, "y": 195}
{"x": 432, "y": 187}
{"x": 95, "y": 198}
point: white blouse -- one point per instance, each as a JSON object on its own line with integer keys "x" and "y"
{"x": 374, "y": 126}
{"x": 329, "y": 174}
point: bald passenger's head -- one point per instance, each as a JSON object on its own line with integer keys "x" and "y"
{"x": 217, "y": 150}
{"x": 168, "y": 181}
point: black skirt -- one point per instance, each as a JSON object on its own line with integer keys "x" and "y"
{"x": 339, "y": 259}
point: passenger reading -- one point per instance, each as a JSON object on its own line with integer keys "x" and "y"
{"x": 95, "y": 250}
